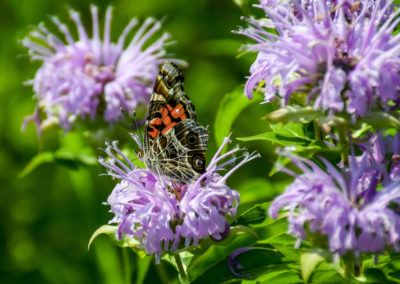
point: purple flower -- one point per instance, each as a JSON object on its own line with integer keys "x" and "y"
{"x": 349, "y": 206}
{"x": 93, "y": 76}
{"x": 165, "y": 216}
{"x": 384, "y": 150}
{"x": 337, "y": 55}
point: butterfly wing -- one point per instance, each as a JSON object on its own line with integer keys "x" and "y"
{"x": 175, "y": 144}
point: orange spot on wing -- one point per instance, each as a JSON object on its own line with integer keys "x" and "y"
{"x": 167, "y": 120}
{"x": 168, "y": 127}
{"x": 177, "y": 112}
{"x": 155, "y": 121}
{"x": 164, "y": 112}
{"x": 153, "y": 132}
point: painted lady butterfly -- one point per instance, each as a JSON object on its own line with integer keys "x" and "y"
{"x": 174, "y": 143}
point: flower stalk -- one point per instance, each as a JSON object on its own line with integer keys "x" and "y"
{"x": 183, "y": 277}
{"x": 318, "y": 132}
{"x": 343, "y": 143}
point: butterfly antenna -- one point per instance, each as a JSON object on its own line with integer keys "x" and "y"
{"x": 140, "y": 133}
{"x": 133, "y": 125}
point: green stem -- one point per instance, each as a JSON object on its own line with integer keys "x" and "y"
{"x": 317, "y": 130}
{"x": 351, "y": 266}
{"x": 348, "y": 268}
{"x": 182, "y": 274}
{"x": 162, "y": 273}
{"x": 127, "y": 265}
{"x": 344, "y": 144}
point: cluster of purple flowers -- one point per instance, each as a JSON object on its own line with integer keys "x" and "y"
{"x": 164, "y": 216}
{"x": 336, "y": 55}
{"x": 357, "y": 206}
{"x": 92, "y": 76}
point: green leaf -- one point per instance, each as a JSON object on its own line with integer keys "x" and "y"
{"x": 271, "y": 228}
{"x": 260, "y": 260}
{"x": 62, "y": 157}
{"x": 41, "y": 158}
{"x": 280, "y": 162}
{"x": 309, "y": 260}
{"x": 206, "y": 260}
{"x": 111, "y": 231}
{"x": 290, "y": 130}
{"x": 277, "y": 277}
{"x": 364, "y": 129}
{"x": 294, "y": 114}
{"x": 73, "y": 160}
{"x": 109, "y": 262}
{"x": 288, "y": 134}
{"x": 256, "y": 190}
{"x": 244, "y": 5}
{"x": 381, "y": 120}
{"x": 143, "y": 266}
{"x": 329, "y": 273}
{"x": 254, "y": 215}
{"x": 376, "y": 275}
{"x": 105, "y": 229}
{"x": 256, "y": 261}
{"x": 392, "y": 268}
{"x": 279, "y": 138}
{"x": 229, "y": 109}
{"x": 235, "y": 232}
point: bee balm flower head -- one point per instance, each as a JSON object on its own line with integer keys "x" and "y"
{"x": 92, "y": 76}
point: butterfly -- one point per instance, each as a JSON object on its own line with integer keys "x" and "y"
{"x": 174, "y": 143}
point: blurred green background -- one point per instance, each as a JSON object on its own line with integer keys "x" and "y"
{"x": 48, "y": 216}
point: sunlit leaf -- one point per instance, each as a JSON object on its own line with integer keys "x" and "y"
{"x": 244, "y": 5}
{"x": 290, "y": 130}
{"x": 281, "y": 139}
{"x": 229, "y": 109}
{"x": 295, "y": 114}
{"x": 328, "y": 273}
{"x": 381, "y": 120}
{"x": 282, "y": 276}
{"x": 281, "y": 161}
{"x": 392, "y": 267}
{"x": 309, "y": 260}
{"x": 106, "y": 230}
{"x": 111, "y": 231}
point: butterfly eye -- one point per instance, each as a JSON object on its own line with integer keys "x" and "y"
{"x": 192, "y": 138}
{"x": 198, "y": 163}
